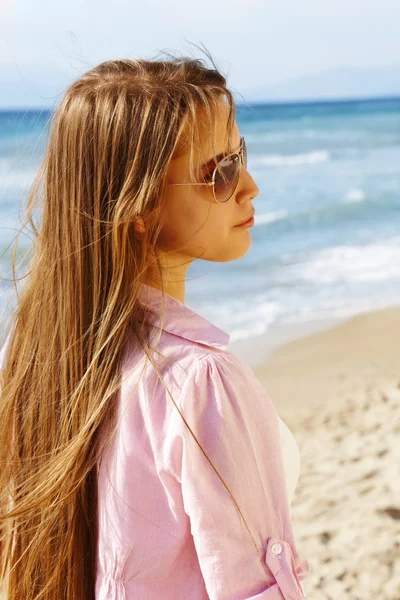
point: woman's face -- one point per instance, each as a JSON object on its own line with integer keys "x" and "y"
{"x": 194, "y": 224}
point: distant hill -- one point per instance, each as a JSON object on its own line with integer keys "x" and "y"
{"x": 41, "y": 86}
{"x": 32, "y": 86}
{"x": 333, "y": 84}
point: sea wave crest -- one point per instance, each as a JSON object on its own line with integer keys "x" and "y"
{"x": 292, "y": 160}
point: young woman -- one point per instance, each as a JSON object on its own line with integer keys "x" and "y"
{"x": 140, "y": 459}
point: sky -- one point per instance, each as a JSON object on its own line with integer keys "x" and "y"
{"x": 260, "y": 45}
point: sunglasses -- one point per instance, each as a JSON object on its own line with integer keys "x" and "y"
{"x": 225, "y": 176}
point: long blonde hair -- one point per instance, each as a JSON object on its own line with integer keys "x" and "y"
{"x": 111, "y": 139}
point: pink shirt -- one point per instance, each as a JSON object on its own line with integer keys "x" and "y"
{"x": 168, "y": 527}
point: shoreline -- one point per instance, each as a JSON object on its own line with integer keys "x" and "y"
{"x": 256, "y": 350}
{"x": 324, "y": 359}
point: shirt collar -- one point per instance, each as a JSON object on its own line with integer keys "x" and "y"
{"x": 180, "y": 320}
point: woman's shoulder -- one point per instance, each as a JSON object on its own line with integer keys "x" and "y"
{"x": 221, "y": 378}
{"x": 188, "y": 368}
{"x": 175, "y": 355}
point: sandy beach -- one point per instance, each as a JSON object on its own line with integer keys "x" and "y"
{"x": 338, "y": 390}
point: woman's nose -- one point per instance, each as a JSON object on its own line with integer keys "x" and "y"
{"x": 247, "y": 185}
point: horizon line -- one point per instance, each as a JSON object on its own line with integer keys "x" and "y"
{"x": 284, "y": 102}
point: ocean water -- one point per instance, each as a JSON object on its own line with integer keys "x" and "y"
{"x": 326, "y": 239}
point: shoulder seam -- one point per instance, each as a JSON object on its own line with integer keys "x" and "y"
{"x": 201, "y": 359}
{"x": 195, "y": 366}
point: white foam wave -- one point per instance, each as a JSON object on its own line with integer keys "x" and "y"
{"x": 241, "y": 318}
{"x": 372, "y": 263}
{"x": 291, "y": 160}
{"x": 271, "y": 217}
{"x": 15, "y": 175}
{"x": 17, "y": 179}
{"x": 355, "y": 195}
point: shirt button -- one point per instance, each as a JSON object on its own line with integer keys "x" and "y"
{"x": 276, "y": 548}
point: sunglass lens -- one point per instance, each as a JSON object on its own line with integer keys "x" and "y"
{"x": 226, "y": 178}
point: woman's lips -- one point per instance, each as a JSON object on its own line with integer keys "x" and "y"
{"x": 250, "y": 221}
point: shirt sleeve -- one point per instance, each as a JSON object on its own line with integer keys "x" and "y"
{"x": 245, "y": 549}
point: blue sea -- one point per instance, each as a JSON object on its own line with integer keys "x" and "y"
{"x": 326, "y": 239}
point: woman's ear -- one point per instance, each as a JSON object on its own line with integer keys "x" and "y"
{"x": 139, "y": 225}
